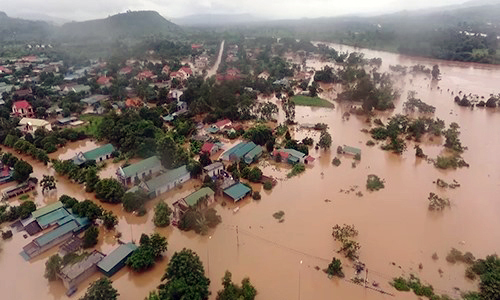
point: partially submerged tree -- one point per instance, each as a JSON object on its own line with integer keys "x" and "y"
{"x": 232, "y": 291}
{"x": 52, "y": 267}
{"x": 101, "y": 289}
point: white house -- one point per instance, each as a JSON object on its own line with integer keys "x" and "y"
{"x": 214, "y": 169}
{"x": 30, "y": 125}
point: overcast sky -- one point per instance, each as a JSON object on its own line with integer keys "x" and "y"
{"x": 92, "y": 9}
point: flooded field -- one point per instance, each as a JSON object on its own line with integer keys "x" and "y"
{"x": 396, "y": 230}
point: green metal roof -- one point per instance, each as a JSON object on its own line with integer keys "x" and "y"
{"x": 46, "y": 209}
{"x": 255, "y": 152}
{"x": 52, "y": 217}
{"x": 351, "y": 150}
{"x": 115, "y": 257}
{"x": 98, "y": 152}
{"x": 56, "y": 233}
{"x": 142, "y": 166}
{"x": 294, "y": 152}
{"x": 167, "y": 177}
{"x": 234, "y": 149}
{"x": 244, "y": 150}
{"x": 237, "y": 191}
{"x": 193, "y": 198}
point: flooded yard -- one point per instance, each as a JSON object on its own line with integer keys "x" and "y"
{"x": 396, "y": 230}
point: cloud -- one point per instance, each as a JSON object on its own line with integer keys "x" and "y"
{"x": 91, "y": 9}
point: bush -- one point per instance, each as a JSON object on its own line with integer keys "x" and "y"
{"x": 370, "y": 143}
{"x": 335, "y": 268}
{"x": 90, "y": 237}
{"x": 297, "y": 169}
{"x": 374, "y": 183}
{"x": 256, "y": 195}
{"x": 336, "y": 161}
{"x": 268, "y": 185}
{"x": 162, "y": 214}
{"x": 109, "y": 190}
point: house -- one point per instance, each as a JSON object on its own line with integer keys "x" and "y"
{"x": 97, "y": 155}
{"x": 22, "y": 109}
{"x": 264, "y": 75}
{"x": 30, "y": 125}
{"x": 237, "y": 191}
{"x": 309, "y": 160}
{"x": 74, "y": 274}
{"x": 144, "y": 75}
{"x": 237, "y": 152}
{"x": 166, "y": 181}
{"x": 291, "y": 156}
{"x": 115, "y": 260}
{"x": 125, "y": 70}
{"x": 66, "y": 121}
{"x": 77, "y": 89}
{"x": 70, "y": 246}
{"x": 201, "y": 62}
{"x": 94, "y": 99}
{"x": 5, "y": 70}
{"x": 196, "y": 46}
{"x": 209, "y": 148}
{"x": 134, "y": 102}
{"x": 182, "y": 205}
{"x": 351, "y": 150}
{"x": 53, "y": 238}
{"x": 253, "y": 155}
{"x": 223, "y": 124}
{"x": 214, "y": 169}
{"x": 141, "y": 169}
{"x": 181, "y": 106}
{"x": 165, "y": 69}
{"x": 174, "y": 95}
{"x": 186, "y": 70}
{"x": 104, "y": 80}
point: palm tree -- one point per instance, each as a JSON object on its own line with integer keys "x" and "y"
{"x": 48, "y": 183}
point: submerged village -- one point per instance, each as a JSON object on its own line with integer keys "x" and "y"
{"x": 214, "y": 156}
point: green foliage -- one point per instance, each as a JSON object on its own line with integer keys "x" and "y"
{"x": 22, "y": 171}
{"x": 254, "y": 175}
{"x": 452, "y": 141}
{"x": 296, "y": 170}
{"x": 279, "y": 215}
{"x": 184, "y": 278}
{"x": 413, "y": 104}
{"x": 86, "y": 208}
{"x": 335, "y": 268}
{"x": 325, "y": 140}
{"x": 232, "y": 291}
{"x": 134, "y": 201}
{"x": 101, "y": 289}
{"x": 488, "y": 270}
{"x": 268, "y": 185}
{"x": 48, "y": 183}
{"x": 336, "y": 161}
{"x": 260, "y": 134}
{"x": 26, "y": 208}
{"x": 199, "y": 220}
{"x": 256, "y": 195}
{"x": 90, "y": 237}
{"x": 109, "y": 220}
{"x": 162, "y": 214}
{"x": 151, "y": 248}
{"x": 344, "y": 235}
{"x": 109, "y": 190}
{"x": 52, "y": 267}
{"x": 171, "y": 154}
{"x": 413, "y": 283}
{"x": 374, "y": 183}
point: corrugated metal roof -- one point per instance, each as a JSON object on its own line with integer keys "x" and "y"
{"x": 237, "y": 191}
{"x": 255, "y": 152}
{"x": 351, "y": 150}
{"x": 193, "y": 198}
{"x": 54, "y": 234}
{"x": 52, "y": 217}
{"x": 142, "y": 166}
{"x": 167, "y": 177}
{"x": 98, "y": 152}
{"x": 116, "y": 256}
{"x": 295, "y": 153}
{"x": 46, "y": 209}
{"x": 71, "y": 272}
{"x": 244, "y": 150}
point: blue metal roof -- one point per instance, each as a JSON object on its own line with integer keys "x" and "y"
{"x": 56, "y": 233}
{"x": 237, "y": 191}
{"x": 52, "y": 217}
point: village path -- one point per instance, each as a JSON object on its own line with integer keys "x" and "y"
{"x": 214, "y": 69}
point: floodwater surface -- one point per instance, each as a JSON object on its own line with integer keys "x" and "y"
{"x": 397, "y": 232}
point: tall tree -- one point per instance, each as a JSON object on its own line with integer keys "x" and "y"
{"x": 101, "y": 289}
{"x": 232, "y": 291}
{"x": 48, "y": 183}
{"x": 162, "y": 214}
{"x": 325, "y": 140}
{"x": 52, "y": 267}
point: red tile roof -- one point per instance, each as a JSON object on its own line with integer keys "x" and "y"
{"x": 187, "y": 70}
{"x": 196, "y": 46}
{"x": 103, "y": 80}
{"x": 21, "y": 104}
{"x": 125, "y": 70}
{"x": 284, "y": 155}
{"x": 5, "y": 70}
{"x": 133, "y": 102}
{"x": 166, "y": 69}
{"x": 310, "y": 159}
{"x": 207, "y": 147}
{"x": 222, "y": 123}
{"x": 22, "y": 93}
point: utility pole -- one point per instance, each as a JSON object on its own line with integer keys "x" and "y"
{"x": 366, "y": 276}
{"x": 237, "y": 237}
{"x": 300, "y": 266}
{"x": 208, "y": 256}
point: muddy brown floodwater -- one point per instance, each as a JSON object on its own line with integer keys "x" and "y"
{"x": 394, "y": 223}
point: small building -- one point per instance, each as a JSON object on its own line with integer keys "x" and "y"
{"x": 237, "y": 191}
{"x": 94, "y": 99}
{"x": 166, "y": 181}
{"x": 309, "y": 160}
{"x": 134, "y": 102}
{"x": 145, "y": 167}
{"x": 291, "y": 156}
{"x": 22, "y": 109}
{"x": 104, "y": 80}
{"x": 209, "y": 148}
{"x": 214, "y": 169}
{"x": 351, "y": 150}
{"x": 115, "y": 260}
{"x": 66, "y": 121}
{"x": 98, "y": 155}
{"x": 144, "y": 75}
{"x": 237, "y": 152}
{"x": 77, "y": 89}
{"x": 125, "y": 70}
{"x": 253, "y": 155}
{"x": 182, "y": 205}
{"x": 76, "y": 273}
{"x": 30, "y": 125}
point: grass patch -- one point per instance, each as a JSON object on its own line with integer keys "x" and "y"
{"x": 296, "y": 170}
{"x": 311, "y": 101}
{"x": 24, "y": 197}
{"x": 93, "y": 123}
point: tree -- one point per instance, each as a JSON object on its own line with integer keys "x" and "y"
{"x": 109, "y": 190}
{"x": 150, "y": 249}
{"x": 101, "y": 289}
{"x": 436, "y": 74}
{"x": 48, "y": 183}
{"x": 134, "y": 201}
{"x": 22, "y": 171}
{"x": 52, "y": 267}
{"x": 205, "y": 159}
{"x": 289, "y": 109}
{"x": 158, "y": 244}
{"x": 90, "y": 237}
{"x": 91, "y": 179}
{"x": 162, "y": 214}
{"x": 255, "y": 174}
{"x": 335, "y": 268}
{"x": 232, "y": 291}
{"x": 26, "y": 208}
{"x": 325, "y": 140}
{"x": 185, "y": 278}
{"x": 109, "y": 220}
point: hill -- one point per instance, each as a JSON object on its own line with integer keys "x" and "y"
{"x": 129, "y": 24}
{"x": 19, "y": 30}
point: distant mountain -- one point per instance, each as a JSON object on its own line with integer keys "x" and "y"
{"x": 217, "y": 20}
{"x": 129, "y": 24}
{"x": 13, "y": 29}
{"x": 41, "y": 17}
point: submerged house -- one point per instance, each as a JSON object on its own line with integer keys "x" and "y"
{"x": 166, "y": 181}
{"x": 237, "y": 191}
{"x": 241, "y": 150}
{"x": 76, "y": 273}
{"x": 291, "y": 156}
{"x": 115, "y": 260}
{"x": 98, "y": 155}
{"x": 213, "y": 169}
{"x": 139, "y": 170}
{"x": 351, "y": 150}
{"x": 182, "y": 205}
